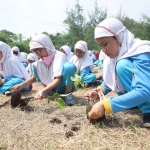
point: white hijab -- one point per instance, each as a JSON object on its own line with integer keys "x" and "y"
{"x": 83, "y": 62}
{"x": 32, "y": 57}
{"x": 15, "y": 48}
{"x": 45, "y": 73}
{"x": 24, "y": 56}
{"x": 129, "y": 46}
{"x": 91, "y": 54}
{"x": 67, "y": 49}
{"x": 102, "y": 55}
{"x": 10, "y": 65}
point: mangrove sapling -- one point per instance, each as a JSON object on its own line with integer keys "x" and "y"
{"x": 89, "y": 107}
{"x": 16, "y": 99}
{"x": 78, "y": 80}
{"x": 58, "y": 98}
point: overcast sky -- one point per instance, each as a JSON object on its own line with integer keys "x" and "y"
{"x": 31, "y": 17}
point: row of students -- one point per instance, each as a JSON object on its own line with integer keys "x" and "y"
{"x": 57, "y": 77}
{"x": 52, "y": 69}
{"x": 47, "y": 71}
{"x": 126, "y": 64}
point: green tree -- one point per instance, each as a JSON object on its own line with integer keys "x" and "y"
{"x": 75, "y": 23}
{"x": 95, "y": 17}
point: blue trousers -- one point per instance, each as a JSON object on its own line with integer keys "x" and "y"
{"x": 90, "y": 78}
{"x": 12, "y": 82}
{"x": 125, "y": 75}
{"x": 68, "y": 71}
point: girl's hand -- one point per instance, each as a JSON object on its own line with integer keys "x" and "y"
{"x": 92, "y": 95}
{"x": 39, "y": 95}
{"x": 17, "y": 87}
{"x": 97, "y": 111}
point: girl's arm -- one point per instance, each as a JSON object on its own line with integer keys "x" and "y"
{"x": 140, "y": 88}
{"x": 52, "y": 85}
{"x": 26, "y": 83}
{"x": 104, "y": 88}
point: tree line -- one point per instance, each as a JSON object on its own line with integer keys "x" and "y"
{"x": 79, "y": 27}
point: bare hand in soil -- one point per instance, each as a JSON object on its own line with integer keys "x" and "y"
{"x": 17, "y": 87}
{"x": 97, "y": 111}
{"x": 91, "y": 96}
{"x": 39, "y": 95}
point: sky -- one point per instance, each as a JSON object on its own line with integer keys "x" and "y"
{"x": 31, "y": 17}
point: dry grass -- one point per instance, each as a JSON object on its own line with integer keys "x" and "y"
{"x": 32, "y": 130}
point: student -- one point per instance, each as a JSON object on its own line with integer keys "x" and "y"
{"x": 52, "y": 70}
{"x": 16, "y": 52}
{"x": 126, "y": 70}
{"x": 92, "y": 56}
{"x": 31, "y": 58}
{"x": 21, "y": 56}
{"x": 24, "y": 60}
{"x": 83, "y": 63}
{"x": 97, "y": 55}
{"x": 99, "y": 62}
{"x": 67, "y": 51}
{"x": 12, "y": 70}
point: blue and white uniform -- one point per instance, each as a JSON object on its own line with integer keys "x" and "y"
{"x": 12, "y": 69}
{"x": 84, "y": 65}
{"x": 58, "y": 65}
{"x": 128, "y": 74}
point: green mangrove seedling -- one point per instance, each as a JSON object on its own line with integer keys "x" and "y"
{"x": 58, "y": 98}
{"x": 78, "y": 80}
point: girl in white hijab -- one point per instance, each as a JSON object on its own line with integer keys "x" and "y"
{"x": 67, "y": 51}
{"x": 83, "y": 62}
{"x": 16, "y": 52}
{"x": 13, "y": 71}
{"x": 31, "y": 58}
{"x": 91, "y": 56}
{"x": 24, "y": 60}
{"x": 52, "y": 69}
{"x": 99, "y": 62}
{"x": 126, "y": 70}
{"x": 21, "y": 56}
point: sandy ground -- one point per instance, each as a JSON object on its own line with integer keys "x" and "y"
{"x": 32, "y": 128}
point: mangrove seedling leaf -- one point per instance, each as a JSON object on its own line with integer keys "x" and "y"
{"x": 77, "y": 76}
{"x": 103, "y": 125}
{"x": 56, "y": 95}
{"x": 60, "y": 102}
{"x": 82, "y": 84}
{"x": 76, "y": 73}
{"x": 48, "y": 99}
{"x": 76, "y": 83}
{"x": 73, "y": 79}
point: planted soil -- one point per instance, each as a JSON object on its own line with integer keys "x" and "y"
{"x": 69, "y": 134}
{"x": 88, "y": 109}
{"x": 55, "y": 120}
